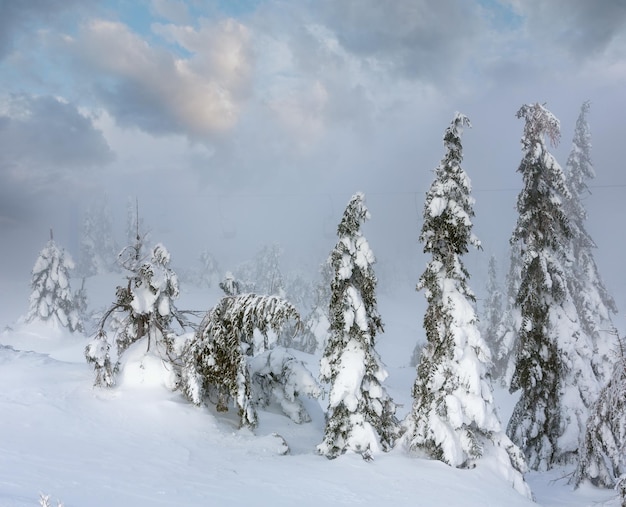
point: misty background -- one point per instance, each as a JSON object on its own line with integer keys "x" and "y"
{"x": 244, "y": 123}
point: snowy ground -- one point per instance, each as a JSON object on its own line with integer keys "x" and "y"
{"x": 142, "y": 445}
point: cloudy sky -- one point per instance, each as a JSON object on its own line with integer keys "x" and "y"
{"x": 238, "y": 123}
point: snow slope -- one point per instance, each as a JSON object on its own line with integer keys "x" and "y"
{"x": 142, "y": 445}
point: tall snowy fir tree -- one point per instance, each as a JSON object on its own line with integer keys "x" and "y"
{"x": 593, "y": 303}
{"x": 98, "y": 248}
{"x": 601, "y": 458}
{"x": 361, "y": 415}
{"x": 507, "y": 332}
{"x": 453, "y": 418}
{"x": 552, "y": 355}
{"x": 51, "y": 298}
{"x": 492, "y": 307}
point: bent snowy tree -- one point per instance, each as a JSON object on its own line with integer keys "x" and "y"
{"x": 453, "y": 418}
{"x": 238, "y": 329}
{"x": 361, "y": 415}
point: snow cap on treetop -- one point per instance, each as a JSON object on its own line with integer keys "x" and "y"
{"x": 539, "y": 122}
{"x": 356, "y": 212}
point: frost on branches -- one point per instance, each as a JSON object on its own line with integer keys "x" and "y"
{"x": 593, "y": 303}
{"x": 51, "y": 298}
{"x": 601, "y": 458}
{"x": 552, "y": 355}
{"x": 361, "y": 415}
{"x": 144, "y": 310}
{"x": 233, "y": 357}
{"x": 453, "y": 418}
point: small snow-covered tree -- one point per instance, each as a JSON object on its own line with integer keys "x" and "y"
{"x": 316, "y": 324}
{"x": 593, "y": 302}
{"x": 145, "y": 310}
{"x": 209, "y": 271}
{"x": 453, "y": 418}
{"x": 492, "y": 308}
{"x": 361, "y": 415}
{"x": 230, "y": 285}
{"x": 237, "y": 329}
{"x": 268, "y": 278}
{"x": 601, "y": 457}
{"x": 553, "y": 355}
{"x": 51, "y": 298}
{"x": 98, "y": 248}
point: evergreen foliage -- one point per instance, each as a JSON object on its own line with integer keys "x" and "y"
{"x": 239, "y": 327}
{"x": 51, "y": 298}
{"x": 361, "y": 415}
{"x": 552, "y": 354}
{"x": 601, "y": 458}
{"x": 453, "y": 418}
{"x": 230, "y": 285}
{"x": 593, "y": 303}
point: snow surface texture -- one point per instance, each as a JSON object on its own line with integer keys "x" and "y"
{"x": 141, "y": 445}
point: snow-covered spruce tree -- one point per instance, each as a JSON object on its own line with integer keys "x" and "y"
{"x": 593, "y": 303}
{"x": 316, "y": 324}
{"x": 51, "y": 298}
{"x": 230, "y": 285}
{"x": 601, "y": 458}
{"x": 239, "y": 329}
{"x": 144, "y": 310}
{"x": 552, "y": 354}
{"x": 492, "y": 313}
{"x": 361, "y": 415}
{"x": 268, "y": 278}
{"x": 507, "y": 331}
{"x": 98, "y": 249}
{"x": 453, "y": 418}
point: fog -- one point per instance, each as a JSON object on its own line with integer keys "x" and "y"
{"x": 241, "y": 124}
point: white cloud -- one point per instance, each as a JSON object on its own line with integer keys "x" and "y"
{"x": 161, "y": 92}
